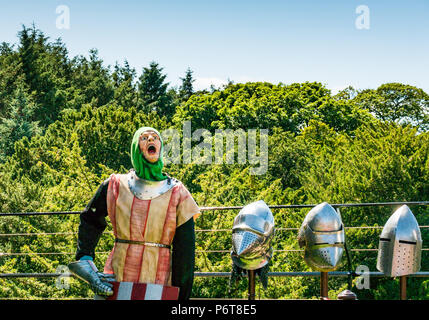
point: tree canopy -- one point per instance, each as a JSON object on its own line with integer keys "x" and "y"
{"x": 66, "y": 124}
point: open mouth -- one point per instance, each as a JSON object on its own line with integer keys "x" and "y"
{"x": 151, "y": 150}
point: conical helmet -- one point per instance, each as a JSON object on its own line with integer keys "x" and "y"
{"x": 322, "y": 235}
{"x": 400, "y": 244}
{"x": 252, "y": 232}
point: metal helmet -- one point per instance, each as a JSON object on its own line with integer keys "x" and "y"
{"x": 400, "y": 244}
{"x": 322, "y": 234}
{"x": 252, "y": 232}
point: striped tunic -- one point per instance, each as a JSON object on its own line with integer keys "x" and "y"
{"x": 153, "y": 220}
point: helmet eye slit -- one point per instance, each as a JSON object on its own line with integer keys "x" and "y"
{"x": 326, "y": 243}
{"x": 407, "y": 242}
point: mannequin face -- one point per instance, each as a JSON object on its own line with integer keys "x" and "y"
{"x": 150, "y": 146}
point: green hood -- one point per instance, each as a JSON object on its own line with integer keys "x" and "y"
{"x": 145, "y": 169}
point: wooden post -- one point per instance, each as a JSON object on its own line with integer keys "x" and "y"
{"x": 403, "y": 287}
{"x": 251, "y": 292}
{"x": 324, "y": 285}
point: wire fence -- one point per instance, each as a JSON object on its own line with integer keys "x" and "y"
{"x": 202, "y": 231}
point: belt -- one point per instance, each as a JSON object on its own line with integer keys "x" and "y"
{"x": 144, "y": 243}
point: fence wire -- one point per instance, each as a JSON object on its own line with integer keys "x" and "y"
{"x": 223, "y": 251}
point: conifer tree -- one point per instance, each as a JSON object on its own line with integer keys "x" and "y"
{"x": 123, "y": 81}
{"x": 10, "y": 74}
{"x": 18, "y": 123}
{"x": 152, "y": 91}
{"x": 186, "y": 89}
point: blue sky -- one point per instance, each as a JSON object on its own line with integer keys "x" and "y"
{"x": 275, "y": 41}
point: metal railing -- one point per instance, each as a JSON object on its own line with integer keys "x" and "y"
{"x": 251, "y": 275}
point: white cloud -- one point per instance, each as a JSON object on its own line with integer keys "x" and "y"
{"x": 205, "y": 83}
{"x": 336, "y": 89}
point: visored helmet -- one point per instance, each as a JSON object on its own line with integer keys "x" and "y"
{"x": 322, "y": 235}
{"x": 400, "y": 244}
{"x": 252, "y": 232}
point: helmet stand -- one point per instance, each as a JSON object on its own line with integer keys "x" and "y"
{"x": 324, "y": 286}
{"x": 403, "y": 287}
{"x": 251, "y": 275}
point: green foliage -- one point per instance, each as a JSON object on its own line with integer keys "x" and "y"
{"x": 18, "y": 122}
{"x": 153, "y": 95}
{"x": 46, "y": 72}
{"x": 264, "y": 105}
{"x": 105, "y": 131}
{"x": 124, "y": 84}
{"x": 67, "y": 124}
{"x": 397, "y": 102}
{"x": 186, "y": 89}
{"x": 91, "y": 82}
